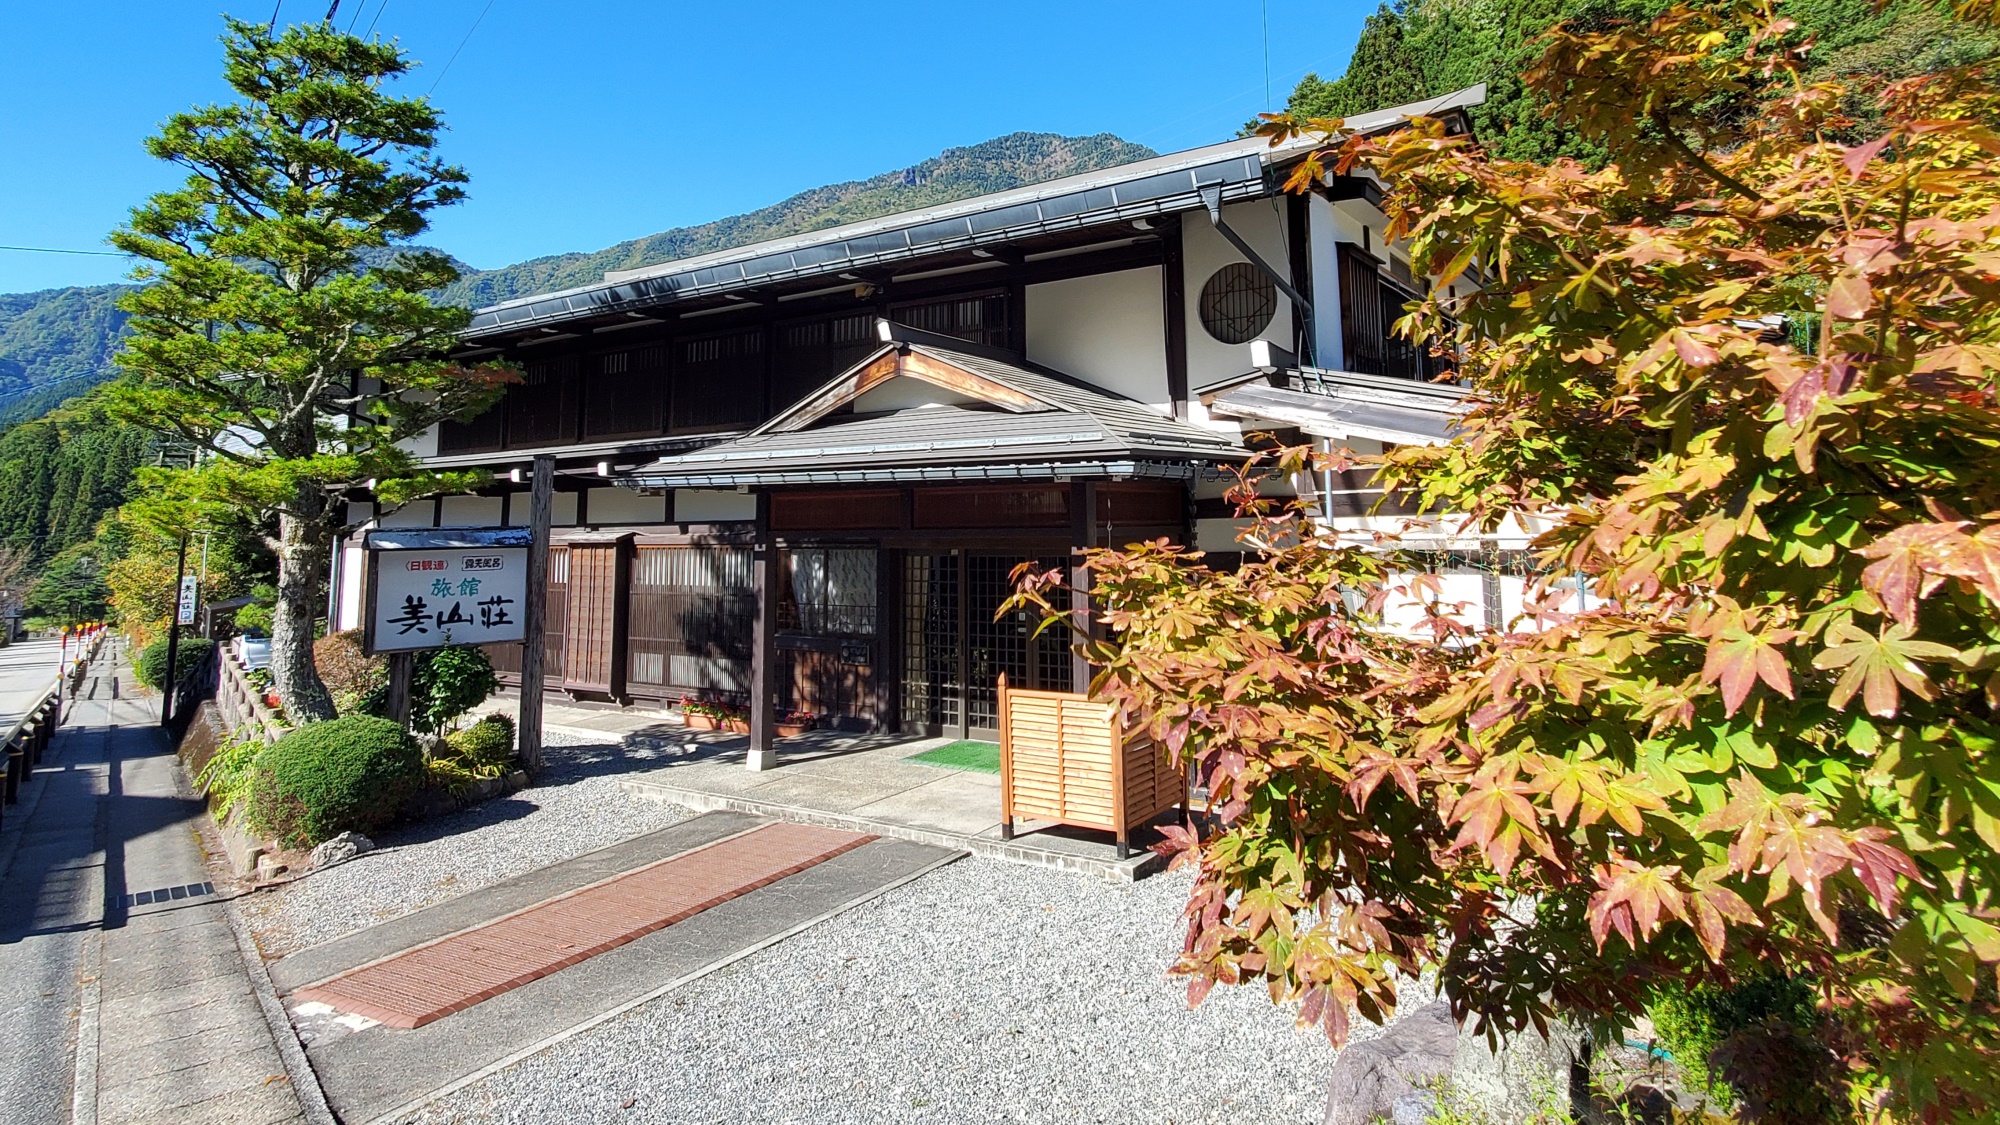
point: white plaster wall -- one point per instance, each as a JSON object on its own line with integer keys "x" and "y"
{"x": 360, "y": 511}
{"x": 422, "y": 445}
{"x": 1324, "y": 233}
{"x": 417, "y": 513}
{"x": 713, "y": 505}
{"x": 353, "y": 583}
{"x": 471, "y": 511}
{"x": 623, "y": 505}
{"x": 1261, "y": 222}
{"x": 905, "y": 393}
{"x": 1107, "y": 329}
{"x": 564, "y": 513}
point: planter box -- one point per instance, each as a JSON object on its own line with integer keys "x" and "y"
{"x": 736, "y": 726}
{"x": 698, "y": 722}
{"x": 793, "y": 730}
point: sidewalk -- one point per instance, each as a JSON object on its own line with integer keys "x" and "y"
{"x": 127, "y": 998}
{"x": 855, "y": 782}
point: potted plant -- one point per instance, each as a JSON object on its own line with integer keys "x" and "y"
{"x": 793, "y": 723}
{"x": 700, "y": 714}
{"x": 735, "y": 718}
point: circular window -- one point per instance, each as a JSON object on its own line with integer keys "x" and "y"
{"x": 1237, "y": 303}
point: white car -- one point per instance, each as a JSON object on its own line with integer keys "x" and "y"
{"x": 254, "y": 652}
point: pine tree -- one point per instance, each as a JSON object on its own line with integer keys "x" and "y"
{"x": 276, "y": 333}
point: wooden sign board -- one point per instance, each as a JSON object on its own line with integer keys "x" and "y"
{"x": 424, "y": 596}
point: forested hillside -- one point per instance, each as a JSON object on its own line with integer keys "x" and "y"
{"x": 1422, "y": 48}
{"x": 1005, "y": 162}
{"x": 59, "y": 342}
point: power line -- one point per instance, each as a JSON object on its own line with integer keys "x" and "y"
{"x": 376, "y": 20}
{"x": 275, "y": 9}
{"x": 52, "y": 250}
{"x": 461, "y": 47}
{"x": 1267, "y": 54}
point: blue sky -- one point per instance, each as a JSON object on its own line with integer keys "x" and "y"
{"x": 584, "y": 123}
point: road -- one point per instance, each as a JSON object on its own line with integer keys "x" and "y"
{"x": 27, "y": 668}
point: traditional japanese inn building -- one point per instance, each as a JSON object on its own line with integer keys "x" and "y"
{"x": 883, "y": 419}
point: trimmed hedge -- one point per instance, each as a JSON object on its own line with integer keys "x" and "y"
{"x": 351, "y": 773}
{"x": 152, "y": 660}
{"x": 485, "y": 746}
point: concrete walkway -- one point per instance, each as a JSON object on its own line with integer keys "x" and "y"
{"x": 372, "y": 1072}
{"x": 124, "y": 996}
{"x": 857, "y": 782}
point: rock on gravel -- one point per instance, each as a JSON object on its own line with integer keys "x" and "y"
{"x": 573, "y": 808}
{"x": 340, "y": 849}
{"x": 982, "y": 992}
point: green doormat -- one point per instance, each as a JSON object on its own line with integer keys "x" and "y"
{"x": 962, "y": 755}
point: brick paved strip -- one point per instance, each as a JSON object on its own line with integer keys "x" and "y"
{"x": 430, "y": 981}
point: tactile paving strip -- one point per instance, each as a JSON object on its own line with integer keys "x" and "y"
{"x": 433, "y": 980}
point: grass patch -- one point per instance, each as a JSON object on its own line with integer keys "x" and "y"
{"x": 965, "y": 754}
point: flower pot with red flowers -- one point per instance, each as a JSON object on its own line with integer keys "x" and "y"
{"x": 791, "y": 724}
{"x": 702, "y": 714}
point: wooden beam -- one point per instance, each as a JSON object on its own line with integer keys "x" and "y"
{"x": 911, "y": 365}
{"x": 764, "y": 580}
{"x": 1174, "y": 290}
{"x": 1083, "y": 535}
{"x": 541, "y": 510}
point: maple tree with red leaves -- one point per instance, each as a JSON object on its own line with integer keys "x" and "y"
{"x": 1745, "y": 374}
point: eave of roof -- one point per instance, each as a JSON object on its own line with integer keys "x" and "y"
{"x": 1157, "y": 186}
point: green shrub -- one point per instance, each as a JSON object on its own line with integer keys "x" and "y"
{"x": 229, "y": 776}
{"x": 152, "y": 661}
{"x": 350, "y": 773}
{"x": 485, "y": 745}
{"x": 446, "y": 683}
{"x": 1693, "y": 1023}
{"x": 254, "y": 620}
{"x": 356, "y": 682}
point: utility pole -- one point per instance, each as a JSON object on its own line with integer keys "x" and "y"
{"x": 169, "y": 680}
{"x": 541, "y": 513}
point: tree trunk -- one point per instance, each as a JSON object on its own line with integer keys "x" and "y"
{"x": 304, "y": 552}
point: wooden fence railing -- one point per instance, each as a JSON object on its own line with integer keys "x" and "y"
{"x": 1066, "y": 758}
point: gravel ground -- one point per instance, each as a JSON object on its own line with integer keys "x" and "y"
{"x": 573, "y": 808}
{"x": 982, "y": 992}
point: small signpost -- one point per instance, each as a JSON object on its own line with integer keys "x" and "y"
{"x": 190, "y": 595}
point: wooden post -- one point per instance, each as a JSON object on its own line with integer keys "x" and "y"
{"x": 1006, "y": 766}
{"x": 541, "y": 513}
{"x": 171, "y": 681}
{"x": 402, "y": 665}
{"x": 1083, "y": 527}
{"x": 764, "y": 580}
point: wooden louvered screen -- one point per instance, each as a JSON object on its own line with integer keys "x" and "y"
{"x": 622, "y": 397}
{"x": 594, "y": 626}
{"x": 484, "y": 432}
{"x": 541, "y": 408}
{"x": 690, "y": 624}
{"x": 507, "y": 658}
{"x": 718, "y": 382}
{"x": 808, "y": 353}
{"x": 1065, "y": 758}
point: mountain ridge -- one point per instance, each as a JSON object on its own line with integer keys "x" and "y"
{"x": 58, "y": 343}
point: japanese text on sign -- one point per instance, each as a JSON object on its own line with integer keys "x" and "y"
{"x": 458, "y": 596}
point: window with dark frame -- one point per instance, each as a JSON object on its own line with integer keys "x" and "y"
{"x": 541, "y": 407}
{"x": 1237, "y": 302}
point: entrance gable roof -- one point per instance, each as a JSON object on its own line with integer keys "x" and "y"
{"x": 1027, "y": 415}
